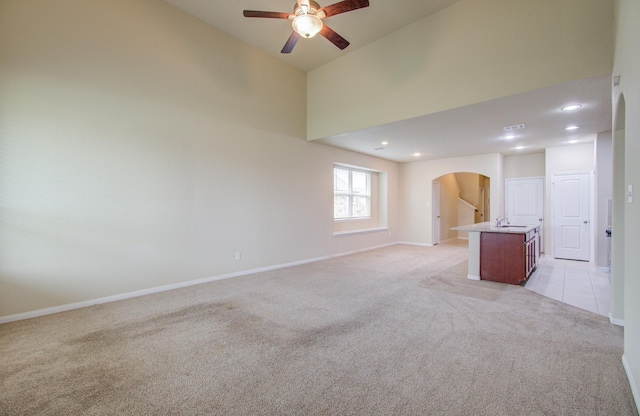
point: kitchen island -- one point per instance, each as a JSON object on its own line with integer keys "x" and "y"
{"x": 505, "y": 253}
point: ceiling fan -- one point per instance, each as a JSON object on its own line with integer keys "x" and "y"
{"x": 307, "y": 20}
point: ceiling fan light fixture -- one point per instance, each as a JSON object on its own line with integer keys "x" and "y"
{"x": 307, "y": 25}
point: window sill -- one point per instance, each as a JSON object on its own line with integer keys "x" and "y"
{"x": 360, "y": 231}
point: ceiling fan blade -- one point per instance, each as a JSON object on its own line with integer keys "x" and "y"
{"x": 333, "y": 37}
{"x": 271, "y": 15}
{"x": 344, "y": 6}
{"x": 291, "y": 42}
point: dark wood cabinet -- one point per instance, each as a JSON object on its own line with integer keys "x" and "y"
{"x": 508, "y": 257}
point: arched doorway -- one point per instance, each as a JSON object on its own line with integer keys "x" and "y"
{"x": 463, "y": 199}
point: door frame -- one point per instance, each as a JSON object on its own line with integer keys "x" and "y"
{"x": 591, "y": 203}
{"x": 435, "y": 213}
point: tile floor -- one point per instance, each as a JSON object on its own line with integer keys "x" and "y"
{"x": 577, "y": 283}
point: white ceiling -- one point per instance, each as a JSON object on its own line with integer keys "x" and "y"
{"x": 475, "y": 129}
{"x": 478, "y": 128}
{"x": 359, "y": 27}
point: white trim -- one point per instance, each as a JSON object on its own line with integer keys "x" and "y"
{"x": 603, "y": 269}
{"x": 462, "y": 238}
{"x": 632, "y": 382}
{"x": 449, "y": 239}
{"x": 467, "y": 204}
{"x": 472, "y": 277}
{"x": 77, "y": 305}
{"x": 356, "y": 167}
{"x": 415, "y": 244}
{"x": 614, "y": 321}
{"x": 360, "y": 231}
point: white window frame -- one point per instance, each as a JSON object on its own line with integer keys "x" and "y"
{"x": 351, "y": 194}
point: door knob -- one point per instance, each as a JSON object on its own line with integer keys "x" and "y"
{"x": 585, "y": 221}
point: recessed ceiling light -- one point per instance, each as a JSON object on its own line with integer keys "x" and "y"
{"x": 416, "y": 154}
{"x": 519, "y": 147}
{"x": 384, "y": 143}
{"x": 571, "y": 128}
{"x": 573, "y": 141}
{"x": 510, "y": 136}
{"x": 571, "y": 107}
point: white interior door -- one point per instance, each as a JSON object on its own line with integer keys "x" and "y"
{"x": 435, "y": 209}
{"x": 525, "y": 202}
{"x": 571, "y": 216}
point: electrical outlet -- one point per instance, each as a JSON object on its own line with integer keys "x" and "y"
{"x": 238, "y": 255}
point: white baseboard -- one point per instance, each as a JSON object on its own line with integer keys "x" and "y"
{"x": 619, "y": 322}
{"x": 632, "y": 381}
{"x": 415, "y": 244}
{"x": 122, "y": 296}
{"x": 449, "y": 239}
{"x": 473, "y": 277}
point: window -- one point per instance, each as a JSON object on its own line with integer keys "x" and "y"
{"x": 351, "y": 193}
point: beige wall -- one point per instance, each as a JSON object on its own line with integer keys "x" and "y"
{"x": 524, "y": 166}
{"x": 415, "y": 191}
{"x": 627, "y": 66}
{"x": 141, "y": 147}
{"x": 470, "y": 52}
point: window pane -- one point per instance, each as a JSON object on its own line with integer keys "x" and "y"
{"x": 340, "y": 180}
{"x": 340, "y": 206}
{"x": 360, "y": 206}
{"x": 351, "y": 193}
{"x": 360, "y": 183}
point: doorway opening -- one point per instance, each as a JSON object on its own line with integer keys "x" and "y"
{"x": 463, "y": 200}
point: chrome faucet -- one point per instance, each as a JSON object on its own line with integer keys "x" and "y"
{"x": 500, "y": 220}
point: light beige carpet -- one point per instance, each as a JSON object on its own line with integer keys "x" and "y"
{"x": 394, "y": 331}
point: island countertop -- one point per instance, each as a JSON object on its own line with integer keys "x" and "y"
{"x": 488, "y": 227}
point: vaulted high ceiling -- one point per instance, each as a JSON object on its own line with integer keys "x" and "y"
{"x": 468, "y": 130}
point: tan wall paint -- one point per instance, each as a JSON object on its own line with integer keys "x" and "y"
{"x": 627, "y": 66}
{"x": 469, "y": 184}
{"x": 470, "y": 52}
{"x": 140, "y": 147}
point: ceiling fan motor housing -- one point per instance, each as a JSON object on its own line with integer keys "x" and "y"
{"x": 313, "y": 8}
